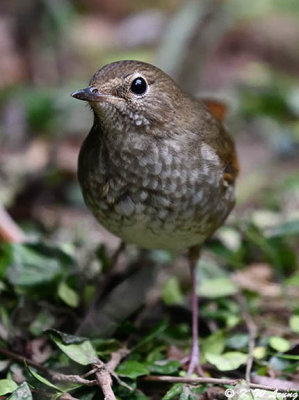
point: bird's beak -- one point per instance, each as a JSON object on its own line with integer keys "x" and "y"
{"x": 89, "y": 94}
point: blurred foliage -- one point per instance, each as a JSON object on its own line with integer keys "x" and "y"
{"x": 47, "y": 282}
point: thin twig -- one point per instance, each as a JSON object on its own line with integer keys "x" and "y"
{"x": 116, "y": 358}
{"x": 67, "y": 396}
{"x": 215, "y": 381}
{"x": 22, "y": 359}
{"x": 104, "y": 380}
{"x": 252, "y": 331}
{"x": 122, "y": 383}
{"x": 104, "y": 372}
{"x": 77, "y": 379}
{"x": 54, "y": 375}
{"x": 91, "y": 372}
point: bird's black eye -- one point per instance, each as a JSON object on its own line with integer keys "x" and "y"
{"x": 139, "y": 86}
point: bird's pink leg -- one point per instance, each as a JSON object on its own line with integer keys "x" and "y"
{"x": 194, "y": 359}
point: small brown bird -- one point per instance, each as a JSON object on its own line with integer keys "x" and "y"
{"x": 158, "y": 168}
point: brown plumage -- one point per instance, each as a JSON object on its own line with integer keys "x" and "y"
{"x": 158, "y": 168}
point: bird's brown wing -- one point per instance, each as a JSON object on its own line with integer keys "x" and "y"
{"x": 229, "y": 158}
{"x": 225, "y": 146}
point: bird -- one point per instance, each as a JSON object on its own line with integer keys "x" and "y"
{"x": 158, "y": 168}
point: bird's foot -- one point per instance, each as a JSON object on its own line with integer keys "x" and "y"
{"x": 195, "y": 367}
{"x": 194, "y": 362}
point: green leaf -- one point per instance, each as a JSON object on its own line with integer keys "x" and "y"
{"x": 4, "y": 259}
{"x": 138, "y": 395}
{"x": 218, "y": 287}
{"x": 290, "y": 228}
{"x": 237, "y": 341}
{"x": 288, "y": 356}
{"x": 43, "y": 380}
{"x": 183, "y": 392}
{"x": 174, "y": 391}
{"x": 68, "y": 295}
{"x": 82, "y": 353}
{"x": 21, "y": 393}
{"x": 278, "y": 364}
{"x": 35, "y": 264}
{"x": 232, "y": 320}
{"x": 65, "y": 337}
{"x": 259, "y": 352}
{"x": 190, "y": 393}
{"x": 154, "y": 333}
{"x": 294, "y": 323}
{"x": 279, "y": 344}
{"x": 105, "y": 346}
{"x": 213, "y": 344}
{"x": 164, "y": 367}
{"x": 7, "y": 386}
{"x": 227, "y": 361}
{"x": 171, "y": 292}
{"x": 132, "y": 369}
{"x": 240, "y": 392}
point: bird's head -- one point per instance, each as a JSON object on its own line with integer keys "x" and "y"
{"x": 132, "y": 93}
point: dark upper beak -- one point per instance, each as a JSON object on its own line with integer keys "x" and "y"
{"x": 89, "y": 94}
